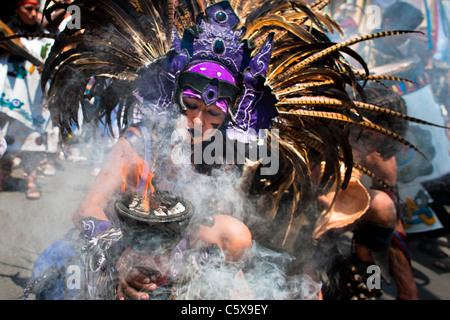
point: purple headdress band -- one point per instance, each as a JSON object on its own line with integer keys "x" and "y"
{"x": 212, "y": 70}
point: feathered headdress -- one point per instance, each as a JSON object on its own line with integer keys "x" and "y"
{"x": 288, "y": 76}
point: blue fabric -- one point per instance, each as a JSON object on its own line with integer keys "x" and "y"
{"x": 54, "y": 256}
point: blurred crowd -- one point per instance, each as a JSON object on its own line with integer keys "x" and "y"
{"x": 29, "y": 140}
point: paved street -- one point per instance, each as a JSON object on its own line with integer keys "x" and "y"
{"x": 28, "y": 227}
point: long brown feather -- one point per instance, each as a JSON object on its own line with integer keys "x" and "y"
{"x": 364, "y": 124}
{"x": 336, "y": 103}
{"x": 320, "y": 55}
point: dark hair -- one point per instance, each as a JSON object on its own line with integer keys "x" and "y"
{"x": 7, "y": 10}
{"x": 403, "y": 16}
{"x": 388, "y": 99}
{"x": 9, "y": 17}
{"x": 15, "y": 25}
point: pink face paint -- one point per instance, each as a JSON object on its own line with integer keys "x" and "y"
{"x": 221, "y": 104}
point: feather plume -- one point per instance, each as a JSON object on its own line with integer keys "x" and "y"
{"x": 326, "y": 52}
{"x": 337, "y": 104}
{"x": 117, "y": 39}
{"x": 337, "y": 117}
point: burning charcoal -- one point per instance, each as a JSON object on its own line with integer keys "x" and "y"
{"x": 159, "y": 212}
{"x": 357, "y": 278}
{"x": 166, "y": 198}
{"x": 177, "y": 209}
{"x": 134, "y": 204}
{"x": 153, "y": 202}
{"x": 139, "y": 205}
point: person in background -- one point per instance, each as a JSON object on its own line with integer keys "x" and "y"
{"x": 414, "y": 56}
{"x": 380, "y": 237}
{"x": 24, "y": 118}
{"x": 385, "y": 50}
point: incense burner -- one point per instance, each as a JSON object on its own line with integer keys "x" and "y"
{"x": 153, "y": 223}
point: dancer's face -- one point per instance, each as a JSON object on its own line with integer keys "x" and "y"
{"x": 202, "y": 118}
{"x": 27, "y": 13}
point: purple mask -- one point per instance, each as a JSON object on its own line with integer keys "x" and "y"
{"x": 211, "y": 70}
{"x": 209, "y": 81}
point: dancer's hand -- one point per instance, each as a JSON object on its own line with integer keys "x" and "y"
{"x": 135, "y": 276}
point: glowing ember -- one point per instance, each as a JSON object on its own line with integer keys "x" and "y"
{"x": 159, "y": 204}
{"x": 131, "y": 179}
